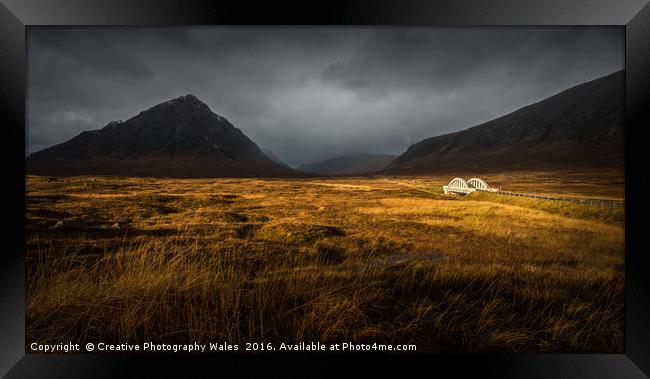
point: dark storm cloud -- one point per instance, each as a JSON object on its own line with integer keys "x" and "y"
{"x": 308, "y": 93}
{"x": 451, "y": 58}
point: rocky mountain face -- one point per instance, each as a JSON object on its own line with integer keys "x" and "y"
{"x": 179, "y": 138}
{"x": 350, "y": 164}
{"x": 581, "y": 127}
{"x": 269, "y": 153}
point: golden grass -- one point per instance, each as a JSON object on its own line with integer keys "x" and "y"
{"x": 329, "y": 260}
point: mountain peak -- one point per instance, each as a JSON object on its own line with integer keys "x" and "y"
{"x": 181, "y": 137}
{"x": 188, "y": 100}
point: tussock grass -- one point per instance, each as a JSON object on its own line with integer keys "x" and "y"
{"x": 333, "y": 260}
{"x": 573, "y": 210}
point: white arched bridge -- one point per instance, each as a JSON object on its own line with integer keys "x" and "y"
{"x": 462, "y": 186}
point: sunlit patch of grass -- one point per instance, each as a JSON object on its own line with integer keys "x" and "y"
{"x": 614, "y": 215}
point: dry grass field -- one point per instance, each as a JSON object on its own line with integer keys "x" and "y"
{"x": 326, "y": 259}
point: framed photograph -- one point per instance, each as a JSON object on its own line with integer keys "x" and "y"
{"x": 454, "y": 185}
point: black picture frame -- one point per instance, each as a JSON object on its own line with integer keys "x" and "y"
{"x": 634, "y": 15}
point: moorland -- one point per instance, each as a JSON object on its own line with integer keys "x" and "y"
{"x": 358, "y": 259}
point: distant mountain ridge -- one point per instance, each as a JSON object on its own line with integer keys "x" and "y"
{"x": 350, "y": 164}
{"x": 181, "y": 138}
{"x": 582, "y": 126}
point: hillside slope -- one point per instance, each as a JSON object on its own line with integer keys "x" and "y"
{"x": 580, "y": 127}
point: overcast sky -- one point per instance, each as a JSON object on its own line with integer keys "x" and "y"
{"x": 308, "y": 93}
